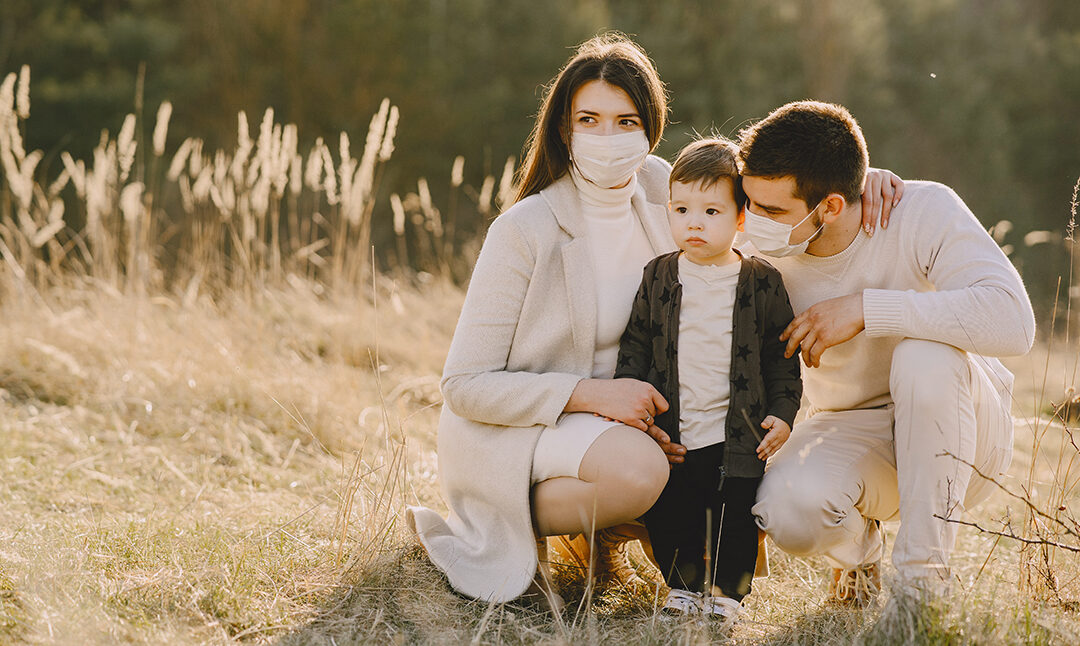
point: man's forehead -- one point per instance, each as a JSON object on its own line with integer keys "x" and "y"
{"x": 769, "y": 188}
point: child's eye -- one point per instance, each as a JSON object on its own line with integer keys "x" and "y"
{"x": 680, "y": 209}
{"x": 711, "y": 211}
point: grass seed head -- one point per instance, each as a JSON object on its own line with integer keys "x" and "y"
{"x": 125, "y": 145}
{"x": 161, "y": 127}
{"x": 22, "y": 95}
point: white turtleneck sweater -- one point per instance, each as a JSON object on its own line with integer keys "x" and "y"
{"x": 620, "y": 250}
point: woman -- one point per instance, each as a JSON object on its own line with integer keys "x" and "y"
{"x": 535, "y": 438}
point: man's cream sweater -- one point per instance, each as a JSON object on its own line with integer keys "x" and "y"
{"x": 933, "y": 274}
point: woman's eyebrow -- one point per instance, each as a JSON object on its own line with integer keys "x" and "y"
{"x": 595, "y": 113}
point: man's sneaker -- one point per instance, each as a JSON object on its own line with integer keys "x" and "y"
{"x": 721, "y": 608}
{"x": 681, "y": 603}
{"x": 855, "y": 587}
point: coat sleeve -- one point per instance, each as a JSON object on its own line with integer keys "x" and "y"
{"x": 635, "y": 347}
{"x": 783, "y": 385}
{"x": 979, "y": 303}
{"x": 476, "y": 384}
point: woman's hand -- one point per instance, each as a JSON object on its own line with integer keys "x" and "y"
{"x": 673, "y": 451}
{"x": 632, "y": 402}
{"x": 629, "y": 401}
{"x": 881, "y": 192}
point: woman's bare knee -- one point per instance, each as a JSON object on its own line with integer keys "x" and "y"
{"x": 629, "y": 469}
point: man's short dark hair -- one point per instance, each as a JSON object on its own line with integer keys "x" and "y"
{"x": 708, "y": 161}
{"x": 819, "y": 144}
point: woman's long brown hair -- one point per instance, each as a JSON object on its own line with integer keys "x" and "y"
{"x": 612, "y": 58}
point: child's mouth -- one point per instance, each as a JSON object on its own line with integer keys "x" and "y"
{"x": 695, "y": 241}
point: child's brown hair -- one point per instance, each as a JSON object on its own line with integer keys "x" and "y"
{"x": 708, "y": 161}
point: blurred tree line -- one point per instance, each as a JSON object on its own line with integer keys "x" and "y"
{"x": 983, "y": 95}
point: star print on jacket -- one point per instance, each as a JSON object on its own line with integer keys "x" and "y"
{"x": 763, "y": 381}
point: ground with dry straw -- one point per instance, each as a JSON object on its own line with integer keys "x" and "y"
{"x": 222, "y": 470}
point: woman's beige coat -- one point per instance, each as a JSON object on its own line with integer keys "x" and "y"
{"x": 526, "y": 336}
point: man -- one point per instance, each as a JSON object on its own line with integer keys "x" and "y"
{"x": 896, "y": 331}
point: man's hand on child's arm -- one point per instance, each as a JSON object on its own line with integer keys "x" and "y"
{"x": 778, "y": 433}
{"x": 824, "y": 325}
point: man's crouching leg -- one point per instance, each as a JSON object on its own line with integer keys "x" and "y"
{"x": 823, "y": 489}
{"x": 949, "y": 414}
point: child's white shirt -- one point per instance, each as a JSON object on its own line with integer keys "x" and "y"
{"x": 706, "y": 313}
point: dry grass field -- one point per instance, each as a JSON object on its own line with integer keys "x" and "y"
{"x": 220, "y": 452}
{"x": 215, "y": 472}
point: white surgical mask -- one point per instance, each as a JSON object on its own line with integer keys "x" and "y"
{"x": 773, "y": 238}
{"x": 608, "y": 160}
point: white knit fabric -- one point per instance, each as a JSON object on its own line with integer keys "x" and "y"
{"x": 933, "y": 274}
{"x": 705, "y": 318}
{"x": 620, "y": 250}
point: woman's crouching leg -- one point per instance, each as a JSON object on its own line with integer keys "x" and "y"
{"x": 620, "y": 477}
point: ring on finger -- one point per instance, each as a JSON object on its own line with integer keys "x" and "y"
{"x": 648, "y": 419}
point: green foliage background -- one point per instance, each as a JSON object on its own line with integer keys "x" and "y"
{"x": 983, "y": 95}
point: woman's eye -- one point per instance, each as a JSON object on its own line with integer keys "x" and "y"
{"x": 586, "y": 119}
{"x": 629, "y": 123}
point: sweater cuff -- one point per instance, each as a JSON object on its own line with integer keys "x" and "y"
{"x": 562, "y": 389}
{"x": 883, "y": 312}
{"x": 786, "y": 410}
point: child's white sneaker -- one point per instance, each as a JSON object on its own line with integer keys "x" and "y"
{"x": 681, "y": 603}
{"x": 722, "y": 608}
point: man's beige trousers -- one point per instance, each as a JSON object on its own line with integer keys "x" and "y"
{"x": 842, "y": 471}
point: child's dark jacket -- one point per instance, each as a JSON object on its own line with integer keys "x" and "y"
{"x": 763, "y": 381}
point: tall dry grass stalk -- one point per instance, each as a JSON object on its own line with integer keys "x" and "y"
{"x": 1050, "y": 528}
{"x": 240, "y": 219}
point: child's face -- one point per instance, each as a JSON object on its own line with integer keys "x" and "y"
{"x": 704, "y": 221}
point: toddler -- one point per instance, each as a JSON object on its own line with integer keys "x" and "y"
{"x": 705, "y": 331}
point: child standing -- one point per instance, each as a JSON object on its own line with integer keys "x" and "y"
{"x": 705, "y": 331}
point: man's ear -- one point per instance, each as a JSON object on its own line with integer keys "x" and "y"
{"x": 831, "y": 207}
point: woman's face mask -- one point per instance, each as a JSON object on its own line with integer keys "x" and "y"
{"x": 773, "y": 238}
{"x": 608, "y": 160}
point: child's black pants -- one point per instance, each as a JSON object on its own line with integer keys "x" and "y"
{"x": 677, "y": 525}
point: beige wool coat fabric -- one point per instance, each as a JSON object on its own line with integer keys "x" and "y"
{"x": 526, "y": 336}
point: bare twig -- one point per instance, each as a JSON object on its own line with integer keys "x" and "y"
{"x": 1010, "y": 534}
{"x": 1026, "y": 500}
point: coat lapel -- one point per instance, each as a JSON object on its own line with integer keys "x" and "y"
{"x": 565, "y": 205}
{"x": 653, "y": 218}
